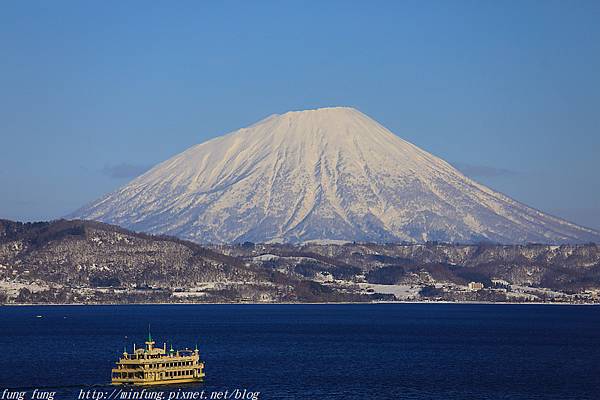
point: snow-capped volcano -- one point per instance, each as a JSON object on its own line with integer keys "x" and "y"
{"x": 325, "y": 174}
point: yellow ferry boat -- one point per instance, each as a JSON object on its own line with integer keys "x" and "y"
{"x": 157, "y": 366}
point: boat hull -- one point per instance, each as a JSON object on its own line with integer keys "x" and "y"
{"x": 157, "y": 383}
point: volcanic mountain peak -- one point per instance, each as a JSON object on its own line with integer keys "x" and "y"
{"x": 324, "y": 174}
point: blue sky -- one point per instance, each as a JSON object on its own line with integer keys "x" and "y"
{"x": 92, "y": 93}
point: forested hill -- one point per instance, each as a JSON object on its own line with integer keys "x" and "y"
{"x": 90, "y": 262}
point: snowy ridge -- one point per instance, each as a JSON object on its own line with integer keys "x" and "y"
{"x": 325, "y": 174}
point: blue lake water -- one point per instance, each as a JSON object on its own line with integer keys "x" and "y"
{"x": 383, "y": 351}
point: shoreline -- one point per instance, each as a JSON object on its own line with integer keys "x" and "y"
{"x": 302, "y": 303}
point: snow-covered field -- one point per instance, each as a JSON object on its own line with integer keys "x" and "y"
{"x": 12, "y": 288}
{"x": 402, "y": 292}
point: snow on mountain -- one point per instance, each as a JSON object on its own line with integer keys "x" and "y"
{"x": 325, "y": 174}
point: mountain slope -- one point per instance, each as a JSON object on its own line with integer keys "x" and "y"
{"x": 329, "y": 173}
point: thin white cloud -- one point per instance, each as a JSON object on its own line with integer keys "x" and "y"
{"x": 124, "y": 170}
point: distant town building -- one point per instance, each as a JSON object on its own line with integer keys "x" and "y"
{"x": 475, "y": 285}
